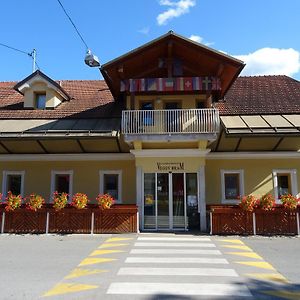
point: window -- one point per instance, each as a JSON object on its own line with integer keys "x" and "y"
{"x": 40, "y": 100}
{"x": 62, "y": 182}
{"x": 200, "y": 104}
{"x": 147, "y": 118}
{"x": 232, "y": 182}
{"x": 13, "y": 181}
{"x": 111, "y": 183}
{"x": 285, "y": 182}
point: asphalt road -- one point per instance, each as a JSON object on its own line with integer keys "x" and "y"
{"x": 148, "y": 266}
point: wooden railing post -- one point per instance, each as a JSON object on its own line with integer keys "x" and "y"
{"x": 298, "y": 225}
{"x": 92, "y": 223}
{"x": 47, "y": 223}
{"x": 3, "y": 222}
{"x": 254, "y": 223}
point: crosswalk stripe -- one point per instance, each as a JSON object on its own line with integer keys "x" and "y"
{"x": 180, "y": 239}
{"x": 238, "y": 247}
{"x": 178, "y": 272}
{"x": 204, "y": 289}
{"x": 257, "y": 264}
{"x": 232, "y": 241}
{"x": 65, "y": 288}
{"x": 246, "y": 254}
{"x": 176, "y": 260}
{"x": 176, "y": 251}
{"x": 185, "y": 245}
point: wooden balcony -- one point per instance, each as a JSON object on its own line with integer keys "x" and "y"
{"x": 173, "y": 124}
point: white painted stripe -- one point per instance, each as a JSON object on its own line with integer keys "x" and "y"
{"x": 203, "y": 289}
{"x": 178, "y": 272}
{"x": 185, "y": 245}
{"x": 176, "y": 260}
{"x": 175, "y": 251}
{"x": 178, "y": 239}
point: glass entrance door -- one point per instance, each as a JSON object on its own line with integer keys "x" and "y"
{"x": 163, "y": 201}
{"x": 170, "y": 201}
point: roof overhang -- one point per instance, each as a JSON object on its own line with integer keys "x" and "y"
{"x": 197, "y": 60}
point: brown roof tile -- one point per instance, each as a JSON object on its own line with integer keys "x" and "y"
{"x": 92, "y": 99}
{"x": 262, "y": 95}
{"x": 89, "y": 99}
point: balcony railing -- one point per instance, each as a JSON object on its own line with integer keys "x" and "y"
{"x": 173, "y": 121}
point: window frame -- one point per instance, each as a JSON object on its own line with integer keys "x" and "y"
{"x": 37, "y": 94}
{"x": 293, "y": 180}
{"x": 101, "y": 183}
{"x": 240, "y": 172}
{"x": 4, "y": 181}
{"x": 62, "y": 172}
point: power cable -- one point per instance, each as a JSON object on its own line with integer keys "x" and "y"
{"x": 15, "y": 49}
{"x": 73, "y": 24}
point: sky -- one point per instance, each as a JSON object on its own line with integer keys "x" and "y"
{"x": 265, "y": 34}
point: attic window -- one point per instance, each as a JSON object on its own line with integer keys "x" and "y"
{"x": 40, "y": 100}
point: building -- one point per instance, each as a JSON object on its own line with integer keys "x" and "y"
{"x": 172, "y": 128}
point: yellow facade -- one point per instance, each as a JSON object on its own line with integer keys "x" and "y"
{"x": 258, "y": 178}
{"x": 85, "y": 176}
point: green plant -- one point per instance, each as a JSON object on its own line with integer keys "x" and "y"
{"x": 248, "y": 203}
{"x": 13, "y": 201}
{"x": 289, "y": 201}
{"x": 267, "y": 202}
{"x": 105, "y": 201}
{"x": 60, "y": 200}
{"x": 80, "y": 200}
{"x": 35, "y": 202}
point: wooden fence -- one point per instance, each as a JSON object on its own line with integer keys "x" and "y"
{"x": 234, "y": 220}
{"x": 117, "y": 219}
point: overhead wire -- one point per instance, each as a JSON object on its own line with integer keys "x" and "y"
{"x": 81, "y": 37}
{"x": 15, "y": 49}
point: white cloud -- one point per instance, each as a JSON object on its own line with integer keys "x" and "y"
{"x": 144, "y": 30}
{"x": 176, "y": 9}
{"x": 199, "y": 39}
{"x": 271, "y": 61}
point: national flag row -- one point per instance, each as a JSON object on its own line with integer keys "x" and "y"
{"x": 206, "y": 83}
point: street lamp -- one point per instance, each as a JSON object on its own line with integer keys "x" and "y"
{"x": 91, "y": 60}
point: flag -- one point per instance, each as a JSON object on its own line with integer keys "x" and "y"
{"x": 122, "y": 86}
{"x": 168, "y": 84}
{"x": 188, "y": 84}
{"x": 151, "y": 84}
{"x": 216, "y": 84}
{"x": 159, "y": 85}
{"x": 142, "y": 85}
{"x": 179, "y": 84}
{"x": 206, "y": 83}
{"x": 197, "y": 83}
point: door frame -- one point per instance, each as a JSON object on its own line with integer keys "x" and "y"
{"x": 171, "y": 227}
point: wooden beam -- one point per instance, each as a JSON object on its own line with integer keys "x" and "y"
{"x": 220, "y": 70}
{"x": 6, "y": 149}
{"x": 170, "y": 59}
{"x": 118, "y": 143}
{"x": 132, "y": 100}
{"x": 238, "y": 145}
{"x": 277, "y": 144}
{"x": 80, "y": 146}
{"x": 42, "y": 146}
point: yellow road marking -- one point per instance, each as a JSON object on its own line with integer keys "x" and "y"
{"x": 100, "y": 252}
{"x": 64, "y": 288}
{"x": 83, "y": 272}
{"x": 94, "y": 260}
{"x": 116, "y": 239}
{"x": 291, "y": 295}
{"x": 246, "y": 254}
{"x": 112, "y": 245}
{"x": 257, "y": 264}
{"x": 268, "y": 277}
{"x": 233, "y": 241}
{"x": 238, "y": 247}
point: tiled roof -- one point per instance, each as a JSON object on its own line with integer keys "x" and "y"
{"x": 262, "y": 95}
{"x": 89, "y": 99}
{"x": 92, "y": 99}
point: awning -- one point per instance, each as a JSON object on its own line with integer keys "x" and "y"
{"x": 261, "y": 124}
{"x": 59, "y": 127}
